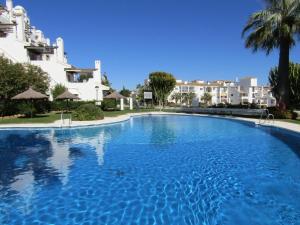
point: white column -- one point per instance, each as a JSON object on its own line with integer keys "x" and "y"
{"x": 122, "y": 104}
{"x": 130, "y": 103}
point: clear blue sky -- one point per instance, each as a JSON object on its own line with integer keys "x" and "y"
{"x": 192, "y": 39}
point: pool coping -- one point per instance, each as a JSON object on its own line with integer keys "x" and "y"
{"x": 123, "y": 118}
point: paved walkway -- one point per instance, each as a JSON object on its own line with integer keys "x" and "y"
{"x": 109, "y": 120}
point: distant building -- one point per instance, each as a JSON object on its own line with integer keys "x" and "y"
{"x": 245, "y": 91}
{"x": 23, "y": 43}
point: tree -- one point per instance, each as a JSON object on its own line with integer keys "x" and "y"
{"x": 176, "y": 97}
{"x": 189, "y": 97}
{"x": 106, "y": 82}
{"x": 206, "y": 98}
{"x": 161, "y": 84}
{"x": 294, "y": 76}
{"x": 125, "y": 92}
{"x": 58, "y": 90}
{"x": 16, "y": 78}
{"x": 275, "y": 27}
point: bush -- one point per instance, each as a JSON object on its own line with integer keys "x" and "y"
{"x": 71, "y": 105}
{"x": 171, "y": 104}
{"x": 279, "y": 114}
{"x": 109, "y": 105}
{"x": 203, "y": 105}
{"x": 58, "y": 90}
{"x": 88, "y": 112}
{"x": 27, "y": 109}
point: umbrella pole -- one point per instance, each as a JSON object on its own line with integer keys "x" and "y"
{"x": 31, "y": 108}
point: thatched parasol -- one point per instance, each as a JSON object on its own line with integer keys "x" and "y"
{"x": 31, "y": 95}
{"x": 67, "y": 96}
{"x": 115, "y": 95}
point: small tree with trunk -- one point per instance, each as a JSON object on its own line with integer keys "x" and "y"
{"x": 162, "y": 84}
{"x": 125, "y": 92}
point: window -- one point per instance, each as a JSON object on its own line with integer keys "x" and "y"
{"x": 192, "y": 89}
{"x": 184, "y": 89}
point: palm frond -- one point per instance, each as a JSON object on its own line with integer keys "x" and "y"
{"x": 266, "y": 28}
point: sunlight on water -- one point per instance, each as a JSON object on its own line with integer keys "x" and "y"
{"x": 151, "y": 170}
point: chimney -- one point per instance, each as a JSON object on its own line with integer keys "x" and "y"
{"x": 97, "y": 73}
{"x": 9, "y": 5}
{"x": 60, "y": 49}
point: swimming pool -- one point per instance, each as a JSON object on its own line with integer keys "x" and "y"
{"x": 151, "y": 170}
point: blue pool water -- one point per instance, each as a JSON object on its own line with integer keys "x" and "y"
{"x": 151, "y": 170}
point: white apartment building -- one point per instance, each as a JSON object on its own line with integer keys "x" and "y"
{"x": 23, "y": 43}
{"x": 246, "y": 91}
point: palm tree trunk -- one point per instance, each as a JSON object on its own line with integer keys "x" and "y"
{"x": 283, "y": 71}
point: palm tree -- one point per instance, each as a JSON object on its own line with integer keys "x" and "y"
{"x": 206, "y": 98}
{"x": 176, "y": 97}
{"x": 190, "y": 97}
{"x": 275, "y": 28}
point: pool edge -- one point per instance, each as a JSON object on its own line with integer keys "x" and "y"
{"x": 119, "y": 119}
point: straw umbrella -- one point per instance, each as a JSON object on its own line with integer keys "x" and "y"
{"x": 67, "y": 96}
{"x": 30, "y": 95}
{"x": 115, "y": 95}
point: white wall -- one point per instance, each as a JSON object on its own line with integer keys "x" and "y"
{"x": 12, "y": 47}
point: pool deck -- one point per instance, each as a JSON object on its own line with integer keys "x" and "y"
{"x": 117, "y": 119}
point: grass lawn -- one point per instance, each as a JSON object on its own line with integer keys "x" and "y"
{"x": 53, "y": 116}
{"x": 43, "y": 118}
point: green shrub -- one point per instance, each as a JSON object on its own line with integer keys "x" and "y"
{"x": 171, "y": 104}
{"x": 88, "y": 112}
{"x": 279, "y": 114}
{"x": 58, "y": 90}
{"x": 42, "y": 106}
{"x": 27, "y": 108}
{"x": 109, "y": 104}
{"x": 71, "y": 105}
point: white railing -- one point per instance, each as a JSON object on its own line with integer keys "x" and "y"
{"x": 65, "y": 122}
{"x": 268, "y": 117}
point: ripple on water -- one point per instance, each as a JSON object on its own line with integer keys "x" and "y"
{"x": 151, "y": 170}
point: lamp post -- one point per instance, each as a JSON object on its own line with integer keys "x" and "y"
{"x": 97, "y": 90}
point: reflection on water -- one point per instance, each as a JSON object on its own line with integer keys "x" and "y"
{"x": 31, "y": 159}
{"x": 204, "y": 175}
{"x": 162, "y": 132}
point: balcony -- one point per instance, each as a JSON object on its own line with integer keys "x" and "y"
{"x": 77, "y": 75}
